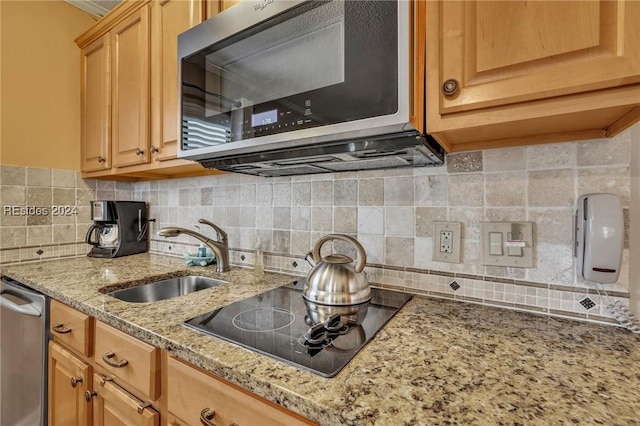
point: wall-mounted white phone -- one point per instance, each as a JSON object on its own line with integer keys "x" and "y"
{"x": 599, "y": 237}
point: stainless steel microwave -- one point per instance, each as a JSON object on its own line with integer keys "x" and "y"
{"x": 275, "y": 88}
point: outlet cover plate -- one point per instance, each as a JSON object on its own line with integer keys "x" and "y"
{"x": 447, "y": 239}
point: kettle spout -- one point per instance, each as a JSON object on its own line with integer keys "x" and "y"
{"x": 309, "y": 258}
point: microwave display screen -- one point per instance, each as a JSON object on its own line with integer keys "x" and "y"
{"x": 313, "y": 65}
{"x": 264, "y": 118}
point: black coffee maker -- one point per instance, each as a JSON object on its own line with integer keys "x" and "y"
{"x": 119, "y": 228}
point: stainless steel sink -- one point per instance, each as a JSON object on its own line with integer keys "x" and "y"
{"x": 165, "y": 289}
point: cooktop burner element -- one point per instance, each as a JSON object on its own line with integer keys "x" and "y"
{"x": 263, "y": 319}
{"x": 281, "y": 324}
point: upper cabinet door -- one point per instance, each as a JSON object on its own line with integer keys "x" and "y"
{"x": 130, "y": 97}
{"x": 96, "y": 106}
{"x": 505, "y": 52}
{"x": 169, "y": 18}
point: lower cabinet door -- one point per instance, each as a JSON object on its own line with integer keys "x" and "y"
{"x": 198, "y": 398}
{"x": 174, "y": 421}
{"x": 113, "y": 406}
{"x": 69, "y": 379}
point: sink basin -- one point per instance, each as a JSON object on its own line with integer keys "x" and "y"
{"x": 165, "y": 289}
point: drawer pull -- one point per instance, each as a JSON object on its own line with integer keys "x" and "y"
{"x": 142, "y": 407}
{"x": 106, "y": 357}
{"x": 60, "y": 328}
{"x": 88, "y": 395}
{"x": 104, "y": 380}
{"x": 206, "y": 417}
{"x": 75, "y": 381}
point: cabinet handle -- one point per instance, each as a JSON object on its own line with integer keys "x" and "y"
{"x": 139, "y": 151}
{"x": 206, "y": 416}
{"x": 101, "y": 159}
{"x": 106, "y": 357}
{"x": 450, "y": 87}
{"x": 75, "y": 381}
{"x": 60, "y": 328}
{"x": 153, "y": 149}
{"x": 88, "y": 395}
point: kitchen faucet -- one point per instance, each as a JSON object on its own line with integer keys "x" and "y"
{"x": 220, "y": 247}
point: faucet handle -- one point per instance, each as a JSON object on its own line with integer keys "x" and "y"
{"x": 222, "y": 236}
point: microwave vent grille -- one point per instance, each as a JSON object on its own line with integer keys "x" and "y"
{"x": 200, "y": 134}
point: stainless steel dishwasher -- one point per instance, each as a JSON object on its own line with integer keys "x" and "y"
{"x": 24, "y": 324}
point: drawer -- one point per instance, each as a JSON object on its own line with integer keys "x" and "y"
{"x": 71, "y": 327}
{"x": 115, "y": 406}
{"x": 128, "y": 359}
{"x": 192, "y": 393}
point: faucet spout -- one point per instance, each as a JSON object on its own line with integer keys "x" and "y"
{"x": 220, "y": 248}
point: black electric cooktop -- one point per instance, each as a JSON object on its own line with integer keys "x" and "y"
{"x": 281, "y": 324}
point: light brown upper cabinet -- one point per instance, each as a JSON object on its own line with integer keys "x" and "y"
{"x": 96, "y": 106}
{"x": 130, "y": 94}
{"x": 169, "y": 18}
{"x": 129, "y": 88}
{"x": 516, "y": 72}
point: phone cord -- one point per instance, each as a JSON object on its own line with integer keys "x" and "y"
{"x": 621, "y": 313}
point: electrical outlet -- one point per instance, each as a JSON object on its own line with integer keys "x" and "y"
{"x": 447, "y": 238}
{"x": 445, "y": 241}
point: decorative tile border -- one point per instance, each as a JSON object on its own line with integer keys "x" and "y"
{"x": 539, "y": 298}
{"x": 13, "y": 255}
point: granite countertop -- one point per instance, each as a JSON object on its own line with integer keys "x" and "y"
{"x": 436, "y": 362}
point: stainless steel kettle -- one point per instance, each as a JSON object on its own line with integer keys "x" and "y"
{"x": 334, "y": 280}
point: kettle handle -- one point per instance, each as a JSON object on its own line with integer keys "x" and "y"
{"x": 362, "y": 255}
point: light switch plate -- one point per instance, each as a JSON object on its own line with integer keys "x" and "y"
{"x": 447, "y": 238}
{"x": 515, "y": 253}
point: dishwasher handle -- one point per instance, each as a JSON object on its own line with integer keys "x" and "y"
{"x": 24, "y": 309}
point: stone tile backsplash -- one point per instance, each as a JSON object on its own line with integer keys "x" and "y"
{"x": 390, "y": 212}
{"x": 52, "y": 211}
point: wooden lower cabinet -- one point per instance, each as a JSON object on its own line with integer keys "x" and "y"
{"x": 130, "y": 383}
{"x": 113, "y": 406}
{"x": 69, "y": 379}
{"x": 74, "y": 329}
{"x": 128, "y": 360}
{"x": 195, "y": 397}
